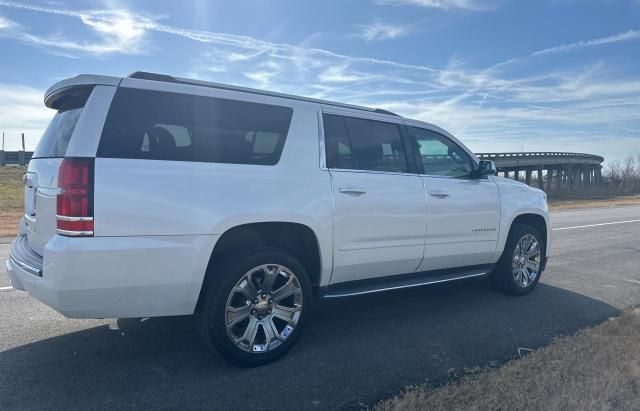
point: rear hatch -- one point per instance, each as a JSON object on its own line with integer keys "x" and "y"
{"x": 41, "y": 179}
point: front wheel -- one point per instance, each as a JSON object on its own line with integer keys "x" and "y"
{"x": 519, "y": 268}
{"x": 255, "y": 307}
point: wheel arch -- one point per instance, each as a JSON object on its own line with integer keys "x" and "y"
{"x": 298, "y": 239}
{"x": 533, "y": 218}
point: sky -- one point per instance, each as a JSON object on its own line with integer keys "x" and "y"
{"x": 501, "y": 75}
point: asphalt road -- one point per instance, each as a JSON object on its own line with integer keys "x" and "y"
{"x": 355, "y": 351}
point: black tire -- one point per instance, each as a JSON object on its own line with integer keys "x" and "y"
{"x": 502, "y": 277}
{"x": 211, "y": 311}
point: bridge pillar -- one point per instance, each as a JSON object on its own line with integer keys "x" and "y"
{"x": 527, "y": 176}
{"x": 558, "y": 178}
{"x": 586, "y": 175}
{"x": 516, "y": 175}
{"x": 540, "y": 180}
{"x": 578, "y": 176}
{"x": 598, "y": 174}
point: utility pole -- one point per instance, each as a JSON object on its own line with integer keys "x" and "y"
{"x": 2, "y": 151}
{"x": 21, "y": 154}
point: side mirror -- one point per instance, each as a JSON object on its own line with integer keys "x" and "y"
{"x": 486, "y": 168}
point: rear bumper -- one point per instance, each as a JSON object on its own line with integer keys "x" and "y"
{"x": 113, "y": 277}
{"x": 21, "y": 256}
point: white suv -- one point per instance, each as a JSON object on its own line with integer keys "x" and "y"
{"x": 154, "y": 196}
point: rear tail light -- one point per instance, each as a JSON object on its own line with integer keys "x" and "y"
{"x": 74, "y": 211}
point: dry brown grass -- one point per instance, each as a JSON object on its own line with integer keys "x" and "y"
{"x": 11, "y": 199}
{"x": 568, "y": 204}
{"x": 598, "y": 369}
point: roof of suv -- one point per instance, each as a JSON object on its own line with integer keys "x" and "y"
{"x": 91, "y": 79}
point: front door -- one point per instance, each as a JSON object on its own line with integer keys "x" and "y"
{"x": 463, "y": 213}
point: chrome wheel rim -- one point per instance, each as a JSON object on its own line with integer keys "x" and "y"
{"x": 263, "y": 308}
{"x": 526, "y": 260}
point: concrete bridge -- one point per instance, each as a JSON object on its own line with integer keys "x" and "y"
{"x": 568, "y": 169}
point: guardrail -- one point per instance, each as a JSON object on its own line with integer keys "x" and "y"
{"x": 538, "y": 154}
{"x": 20, "y": 158}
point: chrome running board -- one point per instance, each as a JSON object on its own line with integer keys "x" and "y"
{"x": 398, "y": 282}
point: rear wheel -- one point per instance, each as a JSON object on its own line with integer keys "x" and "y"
{"x": 255, "y": 307}
{"x": 519, "y": 268}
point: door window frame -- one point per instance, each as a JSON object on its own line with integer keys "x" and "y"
{"x": 405, "y": 139}
{"x": 443, "y": 134}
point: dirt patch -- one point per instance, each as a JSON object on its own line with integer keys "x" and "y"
{"x": 556, "y": 205}
{"x": 599, "y": 368}
{"x": 11, "y": 199}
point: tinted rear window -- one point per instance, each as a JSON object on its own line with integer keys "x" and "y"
{"x": 354, "y": 143}
{"x": 146, "y": 124}
{"x": 56, "y": 137}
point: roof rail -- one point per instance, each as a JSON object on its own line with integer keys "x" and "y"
{"x": 144, "y": 75}
{"x": 153, "y": 76}
{"x": 383, "y": 111}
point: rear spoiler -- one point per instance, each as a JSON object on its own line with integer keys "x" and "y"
{"x": 82, "y": 80}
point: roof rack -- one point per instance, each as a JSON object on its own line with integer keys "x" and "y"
{"x": 143, "y": 75}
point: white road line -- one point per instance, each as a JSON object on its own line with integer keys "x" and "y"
{"x": 6, "y": 288}
{"x": 597, "y": 225}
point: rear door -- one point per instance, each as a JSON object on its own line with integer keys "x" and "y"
{"x": 462, "y": 212}
{"x": 379, "y": 206}
{"x": 42, "y": 174}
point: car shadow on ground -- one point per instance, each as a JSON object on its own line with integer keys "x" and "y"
{"x": 355, "y": 352}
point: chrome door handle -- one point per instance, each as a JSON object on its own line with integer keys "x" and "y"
{"x": 352, "y": 191}
{"x": 439, "y": 194}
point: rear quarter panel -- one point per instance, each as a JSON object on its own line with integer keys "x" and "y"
{"x": 178, "y": 198}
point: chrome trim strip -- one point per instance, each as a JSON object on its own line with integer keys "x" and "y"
{"x": 323, "y": 161}
{"x": 24, "y": 266}
{"x": 391, "y": 173}
{"x": 377, "y": 290}
{"x": 374, "y": 246}
{"x": 74, "y": 233}
{"x": 66, "y": 218}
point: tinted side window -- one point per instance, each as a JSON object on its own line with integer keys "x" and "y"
{"x": 56, "y": 137}
{"x": 354, "y": 143}
{"x": 147, "y": 124}
{"x": 337, "y": 144}
{"x": 376, "y": 145}
{"x": 441, "y": 156}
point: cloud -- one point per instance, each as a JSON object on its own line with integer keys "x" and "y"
{"x": 555, "y": 106}
{"x": 115, "y": 31}
{"x": 620, "y": 37}
{"x": 22, "y": 111}
{"x": 381, "y": 31}
{"x": 439, "y": 4}
{"x": 6, "y": 23}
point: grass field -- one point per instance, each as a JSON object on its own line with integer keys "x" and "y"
{"x": 598, "y": 369}
{"x": 11, "y": 199}
{"x": 556, "y": 205}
